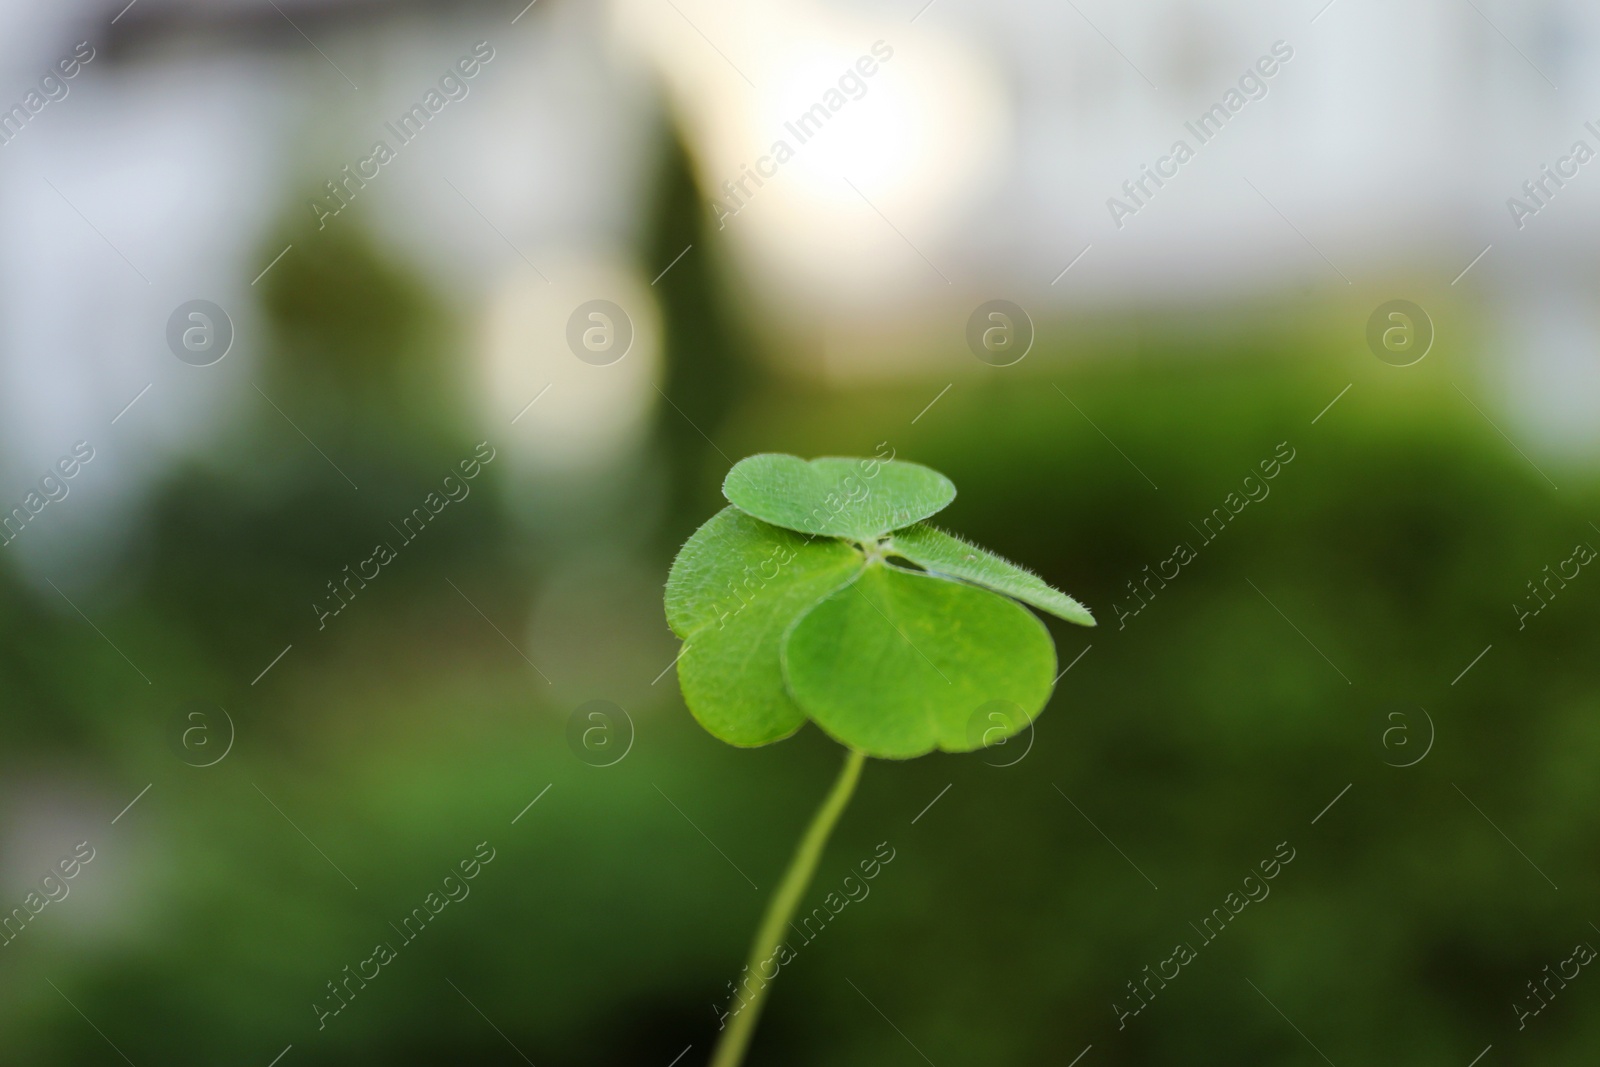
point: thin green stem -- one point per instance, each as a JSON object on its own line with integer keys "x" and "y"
{"x": 780, "y": 910}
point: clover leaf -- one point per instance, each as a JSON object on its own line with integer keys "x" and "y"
{"x": 856, "y": 498}
{"x": 888, "y": 660}
{"x": 734, "y": 590}
{"x": 898, "y": 663}
{"x": 821, "y": 594}
{"x": 941, "y": 553}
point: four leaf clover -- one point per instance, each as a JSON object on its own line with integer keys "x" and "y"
{"x": 821, "y": 593}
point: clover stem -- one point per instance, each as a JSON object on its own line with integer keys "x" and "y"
{"x": 781, "y": 908}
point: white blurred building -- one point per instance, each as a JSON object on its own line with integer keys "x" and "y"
{"x": 976, "y": 160}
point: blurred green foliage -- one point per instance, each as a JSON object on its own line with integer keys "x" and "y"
{"x": 1197, "y": 737}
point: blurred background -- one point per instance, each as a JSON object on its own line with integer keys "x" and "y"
{"x": 608, "y": 248}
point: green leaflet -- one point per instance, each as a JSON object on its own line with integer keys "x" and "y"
{"x": 790, "y": 609}
{"x": 896, "y": 663}
{"x": 734, "y": 589}
{"x": 942, "y": 553}
{"x": 861, "y": 499}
